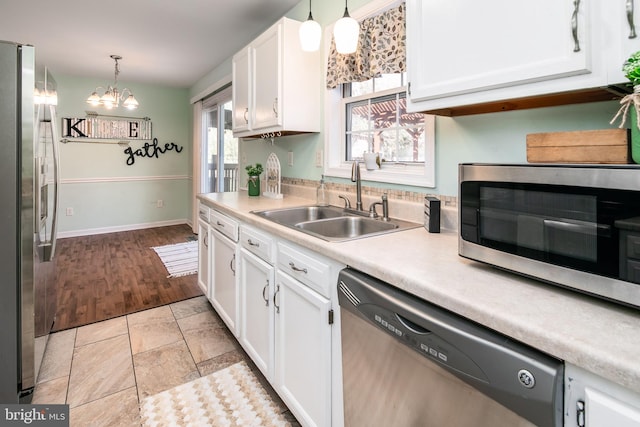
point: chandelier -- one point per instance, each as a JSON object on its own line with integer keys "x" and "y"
{"x": 112, "y": 96}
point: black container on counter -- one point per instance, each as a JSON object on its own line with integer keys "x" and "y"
{"x": 432, "y": 214}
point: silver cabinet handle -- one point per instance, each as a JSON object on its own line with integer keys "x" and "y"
{"x": 251, "y": 243}
{"x": 231, "y": 264}
{"x": 632, "y": 26}
{"x": 574, "y": 25}
{"x": 275, "y": 294}
{"x": 246, "y": 115}
{"x": 275, "y": 107}
{"x": 294, "y": 268}
{"x": 265, "y": 297}
{"x": 205, "y": 239}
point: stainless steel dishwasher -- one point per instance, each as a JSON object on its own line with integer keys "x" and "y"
{"x": 407, "y": 362}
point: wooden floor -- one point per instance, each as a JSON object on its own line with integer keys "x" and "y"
{"x": 108, "y": 275}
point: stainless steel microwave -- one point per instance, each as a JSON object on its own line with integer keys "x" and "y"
{"x": 577, "y": 226}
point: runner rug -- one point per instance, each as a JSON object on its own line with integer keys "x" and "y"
{"x": 180, "y": 259}
{"x": 229, "y": 397}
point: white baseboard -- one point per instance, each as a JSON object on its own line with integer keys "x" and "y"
{"x": 129, "y": 227}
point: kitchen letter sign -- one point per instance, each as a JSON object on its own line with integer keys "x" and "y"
{"x": 95, "y": 127}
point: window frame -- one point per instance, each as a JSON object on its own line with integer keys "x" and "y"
{"x": 420, "y": 175}
{"x": 335, "y": 128}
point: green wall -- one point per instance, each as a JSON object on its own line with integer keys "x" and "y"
{"x": 107, "y": 195}
{"x": 495, "y": 137}
{"x": 104, "y": 192}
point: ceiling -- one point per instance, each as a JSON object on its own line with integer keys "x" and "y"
{"x": 164, "y": 42}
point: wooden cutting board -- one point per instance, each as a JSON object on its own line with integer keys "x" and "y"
{"x": 586, "y": 146}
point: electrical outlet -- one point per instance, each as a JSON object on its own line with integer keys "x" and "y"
{"x": 290, "y": 158}
{"x": 160, "y": 203}
{"x": 319, "y": 158}
{"x": 69, "y": 211}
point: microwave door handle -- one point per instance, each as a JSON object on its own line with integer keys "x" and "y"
{"x": 603, "y": 230}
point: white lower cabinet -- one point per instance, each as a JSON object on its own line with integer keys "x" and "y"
{"x": 203, "y": 256}
{"x": 289, "y": 326}
{"x": 257, "y": 320}
{"x": 224, "y": 288}
{"x": 592, "y": 401}
{"x": 303, "y": 351}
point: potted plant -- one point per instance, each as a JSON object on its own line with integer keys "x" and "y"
{"x": 631, "y": 104}
{"x": 254, "y": 171}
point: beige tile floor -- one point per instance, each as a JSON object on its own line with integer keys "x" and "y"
{"x": 103, "y": 370}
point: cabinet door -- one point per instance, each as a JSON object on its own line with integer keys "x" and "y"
{"x": 203, "y": 257}
{"x": 625, "y": 28}
{"x": 303, "y": 351}
{"x": 256, "y": 311}
{"x": 224, "y": 295}
{"x": 459, "y": 47}
{"x": 267, "y": 80}
{"x": 241, "y": 91}
{"x": 603, "y": 410}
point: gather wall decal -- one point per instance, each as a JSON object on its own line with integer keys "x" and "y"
{"x": 152, "y": 150}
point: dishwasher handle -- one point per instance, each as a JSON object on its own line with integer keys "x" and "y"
{"x": 412, "y": 326}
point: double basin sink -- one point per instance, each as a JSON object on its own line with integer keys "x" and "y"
{"x": 332, "y": 223}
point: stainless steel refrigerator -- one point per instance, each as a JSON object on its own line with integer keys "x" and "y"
{"x": 29, "y": 171}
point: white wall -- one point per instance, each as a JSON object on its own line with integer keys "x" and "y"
{"x": 104, "y": 192}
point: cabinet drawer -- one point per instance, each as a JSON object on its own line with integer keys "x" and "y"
{"x": 258, "y": 243}
{"x": 307, "y": 267}
{"x": 224, "y": 224}
{"x": 633, "y": 246}
{"x": 203, "y": 212}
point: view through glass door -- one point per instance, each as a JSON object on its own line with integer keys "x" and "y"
{"x": 220, "y": 148}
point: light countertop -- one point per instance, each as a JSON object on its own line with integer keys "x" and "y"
{"x": 599, "y": 336}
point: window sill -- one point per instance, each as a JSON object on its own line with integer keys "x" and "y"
{"x": 410, "y": 175}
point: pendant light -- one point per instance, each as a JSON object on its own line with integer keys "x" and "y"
{"x": 310, "y": 34}
{"x": 345, "y": 33}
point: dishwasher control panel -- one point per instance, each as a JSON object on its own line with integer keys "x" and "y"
{"x": 423, "y": 340}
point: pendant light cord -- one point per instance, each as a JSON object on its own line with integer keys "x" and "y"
{"x": 310, "y": 15}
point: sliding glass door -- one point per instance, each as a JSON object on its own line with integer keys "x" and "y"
{"x": 219, "y": 160}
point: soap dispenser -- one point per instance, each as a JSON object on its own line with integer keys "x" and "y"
{"x": 322, "y": 198}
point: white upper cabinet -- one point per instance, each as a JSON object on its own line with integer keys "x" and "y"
{"x": 267, "y": 55}
{"x": 463, "y": 52}
{"x": 241, "y": 92}
{"x": 276, "y": 86}
{"x": 625, "y": 34}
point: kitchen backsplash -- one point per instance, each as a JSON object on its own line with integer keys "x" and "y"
{"x": 407, "y": 205}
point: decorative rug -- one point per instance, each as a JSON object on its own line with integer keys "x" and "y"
{"x": 180, "y": 259}
{"x": 229, "y": 397}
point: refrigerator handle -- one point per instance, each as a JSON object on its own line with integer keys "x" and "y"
{"x": 55, "y": 144}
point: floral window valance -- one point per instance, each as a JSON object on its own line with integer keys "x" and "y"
{"x": 381, "y": 50}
